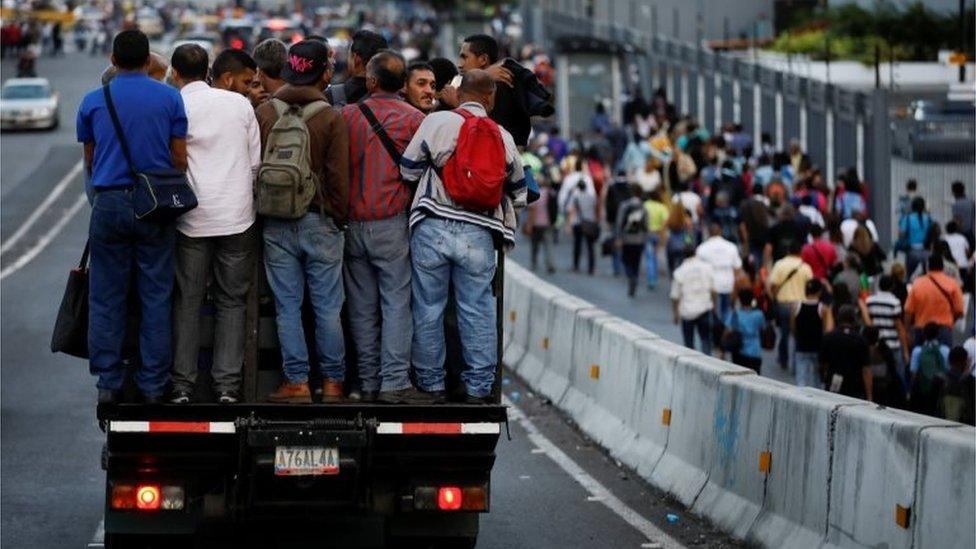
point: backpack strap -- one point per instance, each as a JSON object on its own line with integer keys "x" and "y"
{"x": 280, "y": 106}
{"x": 313, "y": 108}
{"x": 465, "y": 114}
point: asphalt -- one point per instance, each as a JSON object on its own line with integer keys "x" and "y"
{"x": 52, "y": 483}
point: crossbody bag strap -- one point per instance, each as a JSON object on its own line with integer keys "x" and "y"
{"x": 118, "y": 128}
{"x": 952, "y": 306}
{"x": 785, "y": 280}
{"x": 385, "y": 138}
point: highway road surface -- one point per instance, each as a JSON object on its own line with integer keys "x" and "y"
{"x": 552, "y": 488}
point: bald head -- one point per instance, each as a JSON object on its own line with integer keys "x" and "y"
{"x": 478, "y": 86}
{"x": 157, "y": 66}
{"x": 386, "y": 71}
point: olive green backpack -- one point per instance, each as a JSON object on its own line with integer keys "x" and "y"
{"x": 286, "y": 183}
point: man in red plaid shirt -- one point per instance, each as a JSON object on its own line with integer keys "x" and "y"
{"x": 377, "y": 257}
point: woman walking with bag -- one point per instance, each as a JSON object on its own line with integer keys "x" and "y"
{"x": 743, "y": 329}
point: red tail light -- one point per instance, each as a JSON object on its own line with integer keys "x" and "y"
{"x": 147, "y": 497}
{"x": 449, "y": 498}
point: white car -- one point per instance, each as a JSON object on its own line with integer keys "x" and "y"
{"x": 28, "y": 103}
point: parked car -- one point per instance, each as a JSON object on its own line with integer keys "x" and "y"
{"x": 937, "y": 130}
{"x": 28, "y": 103}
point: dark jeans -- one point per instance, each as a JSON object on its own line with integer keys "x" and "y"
{"x": 119, "y": 244}
{"x": 945, "y": 336}
{"x": 578, "y": 239}
{"x": 228, "y": 261}
{"x": 783, "y": 311}
{"x": 631, "y": 255}
{"x": 703, "y": 324}
{"x": 540, "y": 239}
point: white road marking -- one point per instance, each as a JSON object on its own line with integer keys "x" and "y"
{"x": 51, "y": 234}
{"x": 55, "y": 193}
{"x": 98, "y": 539}
{"x": 590, "y": 484}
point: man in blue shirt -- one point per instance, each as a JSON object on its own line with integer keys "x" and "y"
{"x": 154, "y": 125}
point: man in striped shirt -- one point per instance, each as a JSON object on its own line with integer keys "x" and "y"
{"x": 449, "y": 244}
{"x": 377, "y": 256}
{"x": 885, "y": 312}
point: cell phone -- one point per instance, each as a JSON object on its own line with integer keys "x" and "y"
{"x": 455, "y": 82}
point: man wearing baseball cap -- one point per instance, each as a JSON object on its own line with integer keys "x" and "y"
{"x": 308, "y": 250}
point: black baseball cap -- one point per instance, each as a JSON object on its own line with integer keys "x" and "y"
{"x": 307, "y": 61}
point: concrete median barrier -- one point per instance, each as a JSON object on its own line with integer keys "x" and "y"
{"x": 741, "y": 433}
{"x": 515, "y": 325}
{"x": 553, "y": 380}
{"x": 683, "y": 469}
{"x": 771, "y": 464}
{"x": 794, "y": 511}
{"x": 945, "y": 493}
{"x": 539, "y": 330}
{"x": 873, "y": 476}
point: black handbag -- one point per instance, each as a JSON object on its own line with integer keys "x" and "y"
{"x": 161, "y": 195}
{"x": 731, "y": 338}
{"x": 71, "y": 327}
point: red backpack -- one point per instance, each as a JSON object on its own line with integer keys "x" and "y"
{"x": 474, "y": 176}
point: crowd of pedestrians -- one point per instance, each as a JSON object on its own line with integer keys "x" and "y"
{"x": 390, "y": 193}
{"x": 763, "y": 251}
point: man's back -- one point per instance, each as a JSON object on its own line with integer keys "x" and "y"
{"x": 846, "y": 353}
{"x": 150, "y": 113}
{"x": 962, "y": 212}
{"x": 376, "y": 191}
{"x": 223, "y": 151}
{"x": 934, "y": 297}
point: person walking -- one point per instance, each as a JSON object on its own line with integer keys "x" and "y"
{"x": 233, "y": 70}
{"x": 845, "y": 358}
{"x": 219, "y": 235}
{"x": 693, "y": 299}
{"x": 934, "y": 298}
{"x": 362, "y": 47}
{"x": 451, "y": 244}
{"x": 631, "y": 236}
{"x": 270, "y": 56}
{"x": 681, "y": 236}
{"x": 885, "y": 312}
{"x": 125, "y": 249}
{"x": 306, "y": 252}
{"x": 913, "y": 232}
{"x": 726, "y": 264}
{"x": 538, "y": 225}
{"x": 377, "y": 250}
{"x": 657, "y": 217}
{"x": 583, "y": 222}
{"x": 928, "y": 366}
{"x": 614, "y": 195}
{"x": 963, "y": 211}
{"x": 810, "y": 320}
{"x": 748, "y": 321}
{"x": 786, "y": 287}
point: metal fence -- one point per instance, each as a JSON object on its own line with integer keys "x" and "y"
{"x": 839, "y": 128}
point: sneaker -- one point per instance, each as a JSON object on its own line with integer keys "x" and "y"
{"x": 468, "y": 399}
{"x": 292, "y": 393}
{"x": 411, "y": 395}
{"x": 227, "y": 397}
{"x": 331, "y": 391}
{"x": 109, "y": 396}
{"x": 354, "y": 395}
{"x": 180, "y": 397}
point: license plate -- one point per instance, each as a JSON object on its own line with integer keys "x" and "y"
{"x": 306, "y": 460}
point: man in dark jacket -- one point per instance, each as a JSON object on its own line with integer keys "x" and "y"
{"x": 520, "y": 96}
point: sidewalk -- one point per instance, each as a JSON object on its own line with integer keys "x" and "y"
{"x": 648, "y": 309}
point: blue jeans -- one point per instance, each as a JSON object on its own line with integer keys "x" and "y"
{"x": 307, "y": 251}
{"x": 702, "y": 323}
{"x": 618, "y": 261}
{"x": 724, "y": 305}
{"x": 119, "y": 244}
{"x": 650, "y": 259}
{"x": 444, "y": 252}
{"x": 783, "y": 312}
{"x": 377, "y": 274}
{"x": 807, "y": 369}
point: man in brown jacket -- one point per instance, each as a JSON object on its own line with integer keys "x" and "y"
{"x": 308, "y": 251}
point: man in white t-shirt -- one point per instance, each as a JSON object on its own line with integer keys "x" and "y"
{"x": 726, "y": 262}
{"x": 692, "y": 299}
{"x": 958, "y": 244}
{"x": 223, "y": 151}
{"x": 849, "y": 226}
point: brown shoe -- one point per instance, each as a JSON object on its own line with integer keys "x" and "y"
{"x": 292, "y": 393}
{"x": 331, "y": 391}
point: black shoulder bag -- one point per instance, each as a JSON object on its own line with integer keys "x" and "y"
{"x": 384, "y": 137}
{"x": 159, "y": 196}
{"x": 71, "y": 326}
